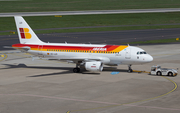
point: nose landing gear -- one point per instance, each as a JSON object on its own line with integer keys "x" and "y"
{"x": 130, "y": 70}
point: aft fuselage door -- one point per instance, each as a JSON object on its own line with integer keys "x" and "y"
{"x": 40, "y": 47}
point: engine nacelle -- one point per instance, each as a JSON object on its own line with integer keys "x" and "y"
{"x": 94, "y": 66}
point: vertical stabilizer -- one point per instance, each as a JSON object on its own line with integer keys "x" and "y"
{"x": 25, "y": 33}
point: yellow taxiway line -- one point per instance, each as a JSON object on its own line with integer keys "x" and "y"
{"x": 4, "y": 56}
{"x": 175, "y": 87}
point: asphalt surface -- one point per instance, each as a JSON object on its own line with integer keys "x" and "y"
{"x": 89, "y": 12}
{"x": 107, "y": 37}
{"x": 42, "y": 86}
{"x": 94, "y": 27}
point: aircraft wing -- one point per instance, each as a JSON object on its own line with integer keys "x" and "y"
{"x": 83, "y": 59}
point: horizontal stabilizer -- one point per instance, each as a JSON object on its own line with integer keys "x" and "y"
{"x": 7, "y": 47}
{"x": 22, "y": 49}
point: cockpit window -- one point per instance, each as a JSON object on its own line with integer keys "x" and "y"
{"x": 141, "y": 52}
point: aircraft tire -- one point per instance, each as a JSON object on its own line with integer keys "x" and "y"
{"x": 76, "y": 70}
{"x": 130, "y": 71}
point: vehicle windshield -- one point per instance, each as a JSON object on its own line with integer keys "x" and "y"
{"x": 141, "y": 52}
{"x": 153, "y": 69}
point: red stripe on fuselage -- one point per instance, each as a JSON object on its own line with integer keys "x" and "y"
{"x": 108, "y": 47}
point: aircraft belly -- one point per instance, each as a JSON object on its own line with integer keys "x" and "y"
{"x": 115, "y": 60}
{"x": 65, "y": 55}
{"x": 105, "y": 58}
{"x": 32, "y": 52}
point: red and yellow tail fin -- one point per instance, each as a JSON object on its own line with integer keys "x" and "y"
{"x": 25, "y": 33}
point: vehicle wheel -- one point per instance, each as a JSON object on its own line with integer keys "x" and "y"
{"x": 159, "y": 73}
{"x": 76, "y": 70}
{"x": 170, "y": 74}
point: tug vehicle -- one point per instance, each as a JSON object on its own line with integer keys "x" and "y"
{"x": 157, "y": 70}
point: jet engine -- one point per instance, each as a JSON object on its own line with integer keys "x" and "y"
{"x": 94, "y": 66}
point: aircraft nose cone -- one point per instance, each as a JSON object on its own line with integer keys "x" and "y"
{"x": 150, "y": 58}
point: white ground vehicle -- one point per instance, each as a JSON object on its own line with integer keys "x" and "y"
{"x": 157, "y": 70}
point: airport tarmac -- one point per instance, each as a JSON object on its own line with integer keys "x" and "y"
{"x": 41, "y": 86}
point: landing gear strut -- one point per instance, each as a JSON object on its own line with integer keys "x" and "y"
{"x": 77, "y": 69}
{"x": 130, "y": 70}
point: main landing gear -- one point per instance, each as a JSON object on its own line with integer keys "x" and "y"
{"x": 77, "y": 69}
{"x": 130, "y": 70}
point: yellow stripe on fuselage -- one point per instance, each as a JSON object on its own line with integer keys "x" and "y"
{"x": 36, "y": 49}
{"x": 120, "y": 48}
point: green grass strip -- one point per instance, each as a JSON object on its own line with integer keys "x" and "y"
{"x": 146, "y": 20}
{"x": 71, "y": 5}
{"x": 171, "y": 40}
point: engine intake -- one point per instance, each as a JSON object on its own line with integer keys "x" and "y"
{"x": 94, "y": 66}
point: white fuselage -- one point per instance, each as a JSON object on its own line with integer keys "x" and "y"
{"x": 126, "y": 56}
{"x": 92, "y": 56}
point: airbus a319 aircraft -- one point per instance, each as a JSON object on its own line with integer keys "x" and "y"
{"x": 90, "y": 56}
